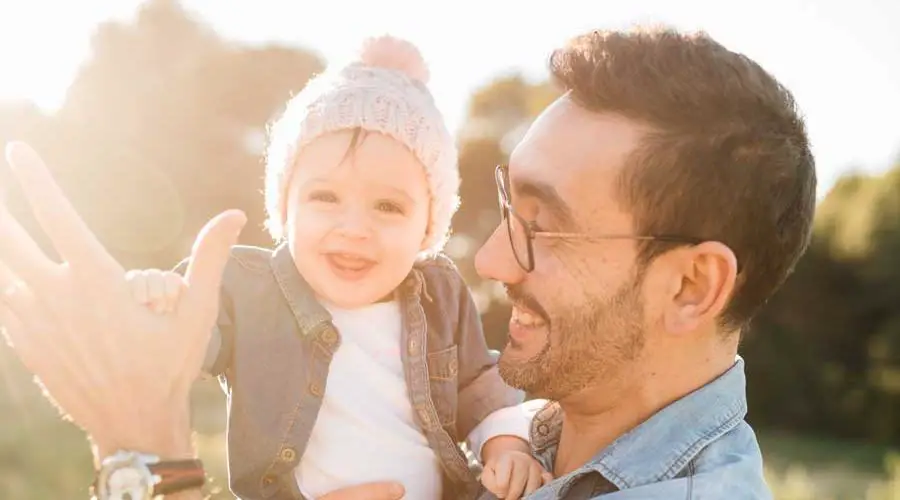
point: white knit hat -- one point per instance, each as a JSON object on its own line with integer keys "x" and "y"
{"x": 383, "y": 90}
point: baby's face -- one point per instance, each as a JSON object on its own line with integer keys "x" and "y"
{"x": 356, "y": 220}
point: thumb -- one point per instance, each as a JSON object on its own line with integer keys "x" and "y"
{"x": 207, "y": 263}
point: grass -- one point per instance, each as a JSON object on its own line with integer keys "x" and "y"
{"x": 804, "y": 468}
{"x": 43, "y": 457}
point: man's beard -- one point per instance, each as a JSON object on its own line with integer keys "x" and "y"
{"x": 593, "y": 340}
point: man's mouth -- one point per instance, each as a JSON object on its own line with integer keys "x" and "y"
{"x": 524, "y": 324}
{"x": 527, "y": 312}
{"x": 525, "y": 318}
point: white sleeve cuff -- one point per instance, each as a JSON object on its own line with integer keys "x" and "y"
{"x": 510, "y": 421}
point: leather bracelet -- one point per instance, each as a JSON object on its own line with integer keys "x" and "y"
{"x": 178, "y": 475}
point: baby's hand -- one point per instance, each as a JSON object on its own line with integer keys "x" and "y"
{"x": 513, "y": 474}
{"x": 158, "y": 290}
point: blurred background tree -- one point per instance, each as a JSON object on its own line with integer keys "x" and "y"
{"x": 163, "y": 127}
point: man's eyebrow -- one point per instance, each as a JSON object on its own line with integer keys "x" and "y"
{"x": 547, "y": 196}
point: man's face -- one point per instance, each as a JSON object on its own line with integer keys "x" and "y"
{"x": 579, "y": 316}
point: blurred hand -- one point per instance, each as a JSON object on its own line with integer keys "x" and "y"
{"x": 114, "y": 367}
{"x": 371, "y": 491}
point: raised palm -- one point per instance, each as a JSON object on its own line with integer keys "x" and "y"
{"x": 75, "y": 325}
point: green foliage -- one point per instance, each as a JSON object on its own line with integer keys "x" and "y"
{"x": 823, "y": 357}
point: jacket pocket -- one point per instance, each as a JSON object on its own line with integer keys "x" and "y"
{"x": 443, "y": 372}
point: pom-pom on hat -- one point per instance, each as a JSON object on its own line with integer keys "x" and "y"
{"x": 384, "y": 89}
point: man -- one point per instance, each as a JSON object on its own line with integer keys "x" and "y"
{"x": 648, "y": 214}
{"x": 651, "y": 212}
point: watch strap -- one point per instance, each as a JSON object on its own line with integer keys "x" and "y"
{"x": 177, "y": 475}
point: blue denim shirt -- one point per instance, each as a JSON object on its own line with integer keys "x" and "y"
{"x": 273, "y": 345}
{"x": 697, "y": 448}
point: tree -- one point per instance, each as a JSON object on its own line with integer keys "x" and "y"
{"x": 164, "y": 126}
{"x": 826, "y": 350}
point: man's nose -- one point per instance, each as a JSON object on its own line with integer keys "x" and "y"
{"x": 495, "y": 260}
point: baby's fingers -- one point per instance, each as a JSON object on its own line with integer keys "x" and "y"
{"x": 174, "y": 284}
{"x": 518, "y": 480}
{"x": 536, "y": 476}
{"x": 489, "y": 480}
{"x": 156, "y": 289}
{"x": 496, "y": 477}
{"x": 137, "y": 282}
{"x": 546, "y": 478}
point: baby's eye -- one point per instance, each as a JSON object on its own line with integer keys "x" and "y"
{"x": 389, "y": 207}
{"x": 323, "y": 196}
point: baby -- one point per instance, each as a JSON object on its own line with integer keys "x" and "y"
{"x": 353, "y": 352}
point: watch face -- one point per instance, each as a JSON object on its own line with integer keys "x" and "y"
{"x": 129, "y": 484}
{"x": 125, "y": 476}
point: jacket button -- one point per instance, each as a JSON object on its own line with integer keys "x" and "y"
{"x": 329, "y": 336}
{"x": 315, "y": 389}
{"x": 288, "y": 454}
{"x": 268, "y": 480}
{"x": 413, "y": 347}
{"x": 453, "y": 367}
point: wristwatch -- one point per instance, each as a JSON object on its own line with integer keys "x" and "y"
{"x": 129, "y": 475}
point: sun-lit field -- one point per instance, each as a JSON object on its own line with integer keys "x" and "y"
{"x": 42, "y": 457}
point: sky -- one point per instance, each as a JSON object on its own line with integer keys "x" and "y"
{"x": 840, "y": 59}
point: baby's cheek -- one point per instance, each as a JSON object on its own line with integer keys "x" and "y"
{"x": 401, "y": 251}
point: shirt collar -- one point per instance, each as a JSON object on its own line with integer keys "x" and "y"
{"x": 660, "y": 447}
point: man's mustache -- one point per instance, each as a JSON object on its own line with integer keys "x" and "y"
{"x": 517, "y": 295}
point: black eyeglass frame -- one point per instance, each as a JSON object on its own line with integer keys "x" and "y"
{"x": 501, "y": 177}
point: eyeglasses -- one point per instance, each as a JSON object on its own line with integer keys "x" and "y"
{"x": 522, "y": 232}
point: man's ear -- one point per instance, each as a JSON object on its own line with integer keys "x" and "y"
{"x": 702, "y": 286}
